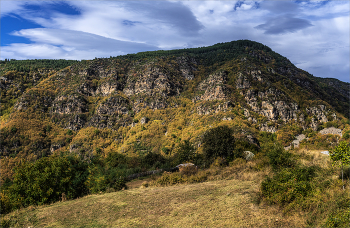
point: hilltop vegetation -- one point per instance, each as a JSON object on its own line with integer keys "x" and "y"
{"x": 72, "y": 128}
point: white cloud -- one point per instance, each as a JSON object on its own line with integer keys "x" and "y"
{"x": 7, "y": 7}
{"x": 105, "y": 28}
{"x": 73, "y": 44}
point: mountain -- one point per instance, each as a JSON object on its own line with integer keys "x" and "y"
{"x": 150, "y": 104}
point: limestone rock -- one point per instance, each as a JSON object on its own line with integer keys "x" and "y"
{"x": 114, "y": 105}
{"x": 150, "y": 81}
{"x": 265, "y": 127}
{"x": 248, "y": 155}
{"x": 69, "y": 104}
{"x": 214, "y": 87}
{"x": 144, "y": 120}
{"x": 331, "y": 130}
{"x": 242, "y": 82}
{"x": 187, "y": 66}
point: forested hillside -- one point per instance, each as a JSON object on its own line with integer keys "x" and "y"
{"x": 79, "y": 127}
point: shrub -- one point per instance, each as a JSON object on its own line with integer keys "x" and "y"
{"x": 188, "y": 170}
{"x": 288, "y": 185}
{"x": 242, "y": 145}
{"x": 115, "y": 159}
{"x": 101, "y": 179}
{"x": 338, "y": 219}
{"x": 341, "y": 156}
{"x": 166, "y": 150}
{"x": 45, "y": 180}
{"x": 346, "y": 135}
{"x": 219, "y": 142}
{"x": 169, "y": 179}
{"x": 98, "y": 150}
{"x": 186, "y": 153}
{"x": 151, "y": 159}
{"x": 13, "y": 129}
{"x": 279, "y": 158}
{"x": 219, "y": 162}
{"x": 239, "y": 162}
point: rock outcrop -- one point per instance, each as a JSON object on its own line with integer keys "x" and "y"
{"x": 214, "y": 87}
{"x": 331, "y": 130}
{"x": 69, "y": 104}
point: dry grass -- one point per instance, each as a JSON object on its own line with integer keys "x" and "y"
{"x": 313, "y": 157}
{"x": 229, "y": 198}
{"x": 216, "y": 203}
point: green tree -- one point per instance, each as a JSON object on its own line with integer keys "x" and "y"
{"x": 219, "y": 142}
{"x": 186, "y": 152}
{"x": 341, "y": 156}
{"x": 45, "y": 180}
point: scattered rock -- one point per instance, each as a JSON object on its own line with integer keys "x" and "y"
{"x": 144, "y": 120}
{"x": 248, "y": 155}
{"x": 296, "y": 142}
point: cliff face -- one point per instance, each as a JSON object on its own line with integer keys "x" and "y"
{"x": 243, "y": 83}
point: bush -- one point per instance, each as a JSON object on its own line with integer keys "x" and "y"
{"x": 219, "y": 162}
{"x": 338, "y": 219}
{"x": 219, "y": 142}
{"x": 169, "y": 179}
{"x": 243, "y": 145}
{"x": 188, "y": 170}
{"x": 185, "y": 153}
{"x": 346, "y": 135}
{"x": 101, "y": 179}
{"x": 115, "y": 159}
{"x": 279, "y": 158}
{"x": 239, "y": 162}
{"x": 288, "y": 185}
{"x": 45, "y": 180}
{"x": 166, "y": 150}
{"x": 151, "y": 159}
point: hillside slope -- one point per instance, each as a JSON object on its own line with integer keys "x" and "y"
{"x": 241, "y": 80}
{"x": 215, "y": 204}
{"x": 108, "y": 118}
{"x": 230, "y": 197}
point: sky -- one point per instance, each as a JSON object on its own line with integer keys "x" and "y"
{"x": 313, "y": 35}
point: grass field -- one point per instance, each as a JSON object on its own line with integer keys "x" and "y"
{"x": 215, "y": 203}
{"x": 230, "y": 198}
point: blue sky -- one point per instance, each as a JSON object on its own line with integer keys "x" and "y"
{"x": 314, "y": 35}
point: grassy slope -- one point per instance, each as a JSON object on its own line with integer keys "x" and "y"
{"x": 215, "y": 203}
{"x": 229, "y": 198}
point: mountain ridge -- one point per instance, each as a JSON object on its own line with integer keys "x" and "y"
{"x": 241, "y": 83}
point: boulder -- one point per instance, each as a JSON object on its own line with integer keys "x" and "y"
{"x": 144, "y": 120}
{"x": 248, "y": 155}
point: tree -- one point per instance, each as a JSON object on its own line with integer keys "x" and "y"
{"x": 45, "y": 180}
{"x": 186, "y": 152}
{"x": 341, "y": 154}
{"x": 219, "y": 142}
